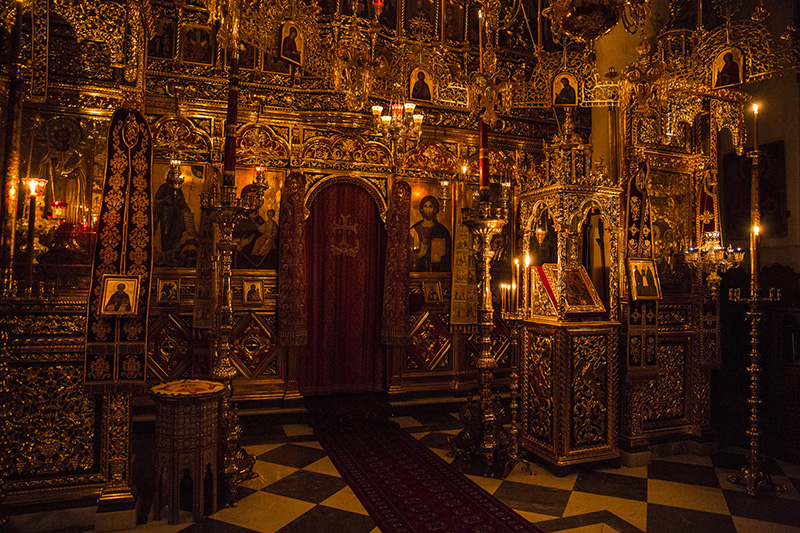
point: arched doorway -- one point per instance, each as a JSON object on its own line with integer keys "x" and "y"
{"x": 345, "y": 257}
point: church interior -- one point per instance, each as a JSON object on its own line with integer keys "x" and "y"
{"x": 400, "y": 265}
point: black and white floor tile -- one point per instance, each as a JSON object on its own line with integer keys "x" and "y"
{"x": 298, "y": 490}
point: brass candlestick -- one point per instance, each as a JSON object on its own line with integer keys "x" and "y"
{"x": 224, "y": 209}
{"x": 484, "y": 439}
{"x": 752, "y": 475}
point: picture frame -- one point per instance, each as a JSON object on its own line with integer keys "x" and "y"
{"x": 120, "y": 295}
{"x": 565, "y": 90}
{"x": 727, "y": 70}
{"x": 162, "y": 43}
{"x": 169, "y": 291}
{"x": 198, "y": 45}
{"x": 252, "y": 292}
{"x": 292, "y": 44}
{"x": 432, "y": 291}
{"x": 431, "y": 230}
{"x": 420, "y": 85}
{"x": 643, "y": 277}
{"x": 581, "y": 296}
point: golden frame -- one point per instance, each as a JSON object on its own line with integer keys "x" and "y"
{"x": 572, "y": 83}
{"x": 432, "y": 291}
{"x": 581, "y": 296}
{"x": 415, "y": 82}
{"x": 297, "y": 55}
{"x": 169, "y": 291}
{"x": 720, "y": 67}
{"x": 640, "y": 291}
{"x": 127, "y": 287}
{"x": 252, "y": 292}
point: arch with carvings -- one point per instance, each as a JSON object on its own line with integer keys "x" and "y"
{"x": 177, "y": 138}
{"x": 259, "y": 145}
{"x": 346, "y": 152}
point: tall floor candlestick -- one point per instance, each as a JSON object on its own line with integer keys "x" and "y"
{"x": 752, "y": 475}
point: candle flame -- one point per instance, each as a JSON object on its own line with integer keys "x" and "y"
{"x": 755, "y": 108}
{"x": 755, "y": 230}
{"x": 527, "y": 260}
{"x": 32, "y": 186}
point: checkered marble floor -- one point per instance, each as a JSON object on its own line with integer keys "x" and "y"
{"x": 299, "y": 490}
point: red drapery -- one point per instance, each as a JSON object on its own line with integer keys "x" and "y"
{"x": 346, "y": 245}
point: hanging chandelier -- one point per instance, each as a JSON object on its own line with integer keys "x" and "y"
{"x": 712, "y": 259}
{"x": 401, "y": 124}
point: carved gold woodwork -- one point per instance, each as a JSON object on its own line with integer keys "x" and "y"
{"x": 259, "y": 145}
{"x": 429, "y": 344}
{"x": 569, "y": 391}
{"x": 253, "y": 346}
{"x": 49, "y": 427}
{"x": 177, "y": 138}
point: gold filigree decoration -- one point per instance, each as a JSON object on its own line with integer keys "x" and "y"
{"x": 258, "y": 145}
{"x": 665, "y": 395}
{"x": 177, "y": 138}
{"x": 97, "y": 20}
{"x": 538, "y": 376}
{"x": 432, "y": 158}
{"x": 348, "y": 149}
{"x": 50, "y": 429}
{"x": 589, "y": 389}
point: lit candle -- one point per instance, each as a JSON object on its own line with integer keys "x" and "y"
{"x": 32, "y": 183}
{"x": 754, "y": 258}
{"x": 526, "y": 282}
{"x": 480, "y": 39}
{"x": 516, "y": 284}
{"x": 514, "y": 297}
{"x": 755, "y": 127}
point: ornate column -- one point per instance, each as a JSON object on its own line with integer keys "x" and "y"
{"x": 10, "y": 162}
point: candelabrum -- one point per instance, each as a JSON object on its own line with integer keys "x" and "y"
{"x": 484, "y": 438}
{"x": 752, "y": 475}
{"x": 226, "y": 210}
{"x": 712, "y": 259}
{"x": 402, "y": 123}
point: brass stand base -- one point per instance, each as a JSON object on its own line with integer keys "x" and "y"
{"x": 484, "y": 441}
{"x": 753, "y": 477}
{"x": 237, "y": 463}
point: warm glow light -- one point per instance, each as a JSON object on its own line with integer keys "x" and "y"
{"x": 175, "y": 162}
{"x": 409, "y": 107}
{"x": 755, "y": 230}
{"x": 417, "y": 118}
{"x": 527, "y": 260}
{"x": 516, "y": 262}
{"x": 32, "y": 186}
{"x": 755, "y": 108}
{"x": 464, "y": 169}
{"x": 377, "y": 110}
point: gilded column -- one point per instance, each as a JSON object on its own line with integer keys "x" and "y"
{"x": 13, "y": 135}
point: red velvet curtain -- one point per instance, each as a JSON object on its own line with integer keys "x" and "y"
{"x": 346, "y": 247}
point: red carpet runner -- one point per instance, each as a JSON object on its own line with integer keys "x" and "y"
{"x": 405, "y": 487}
